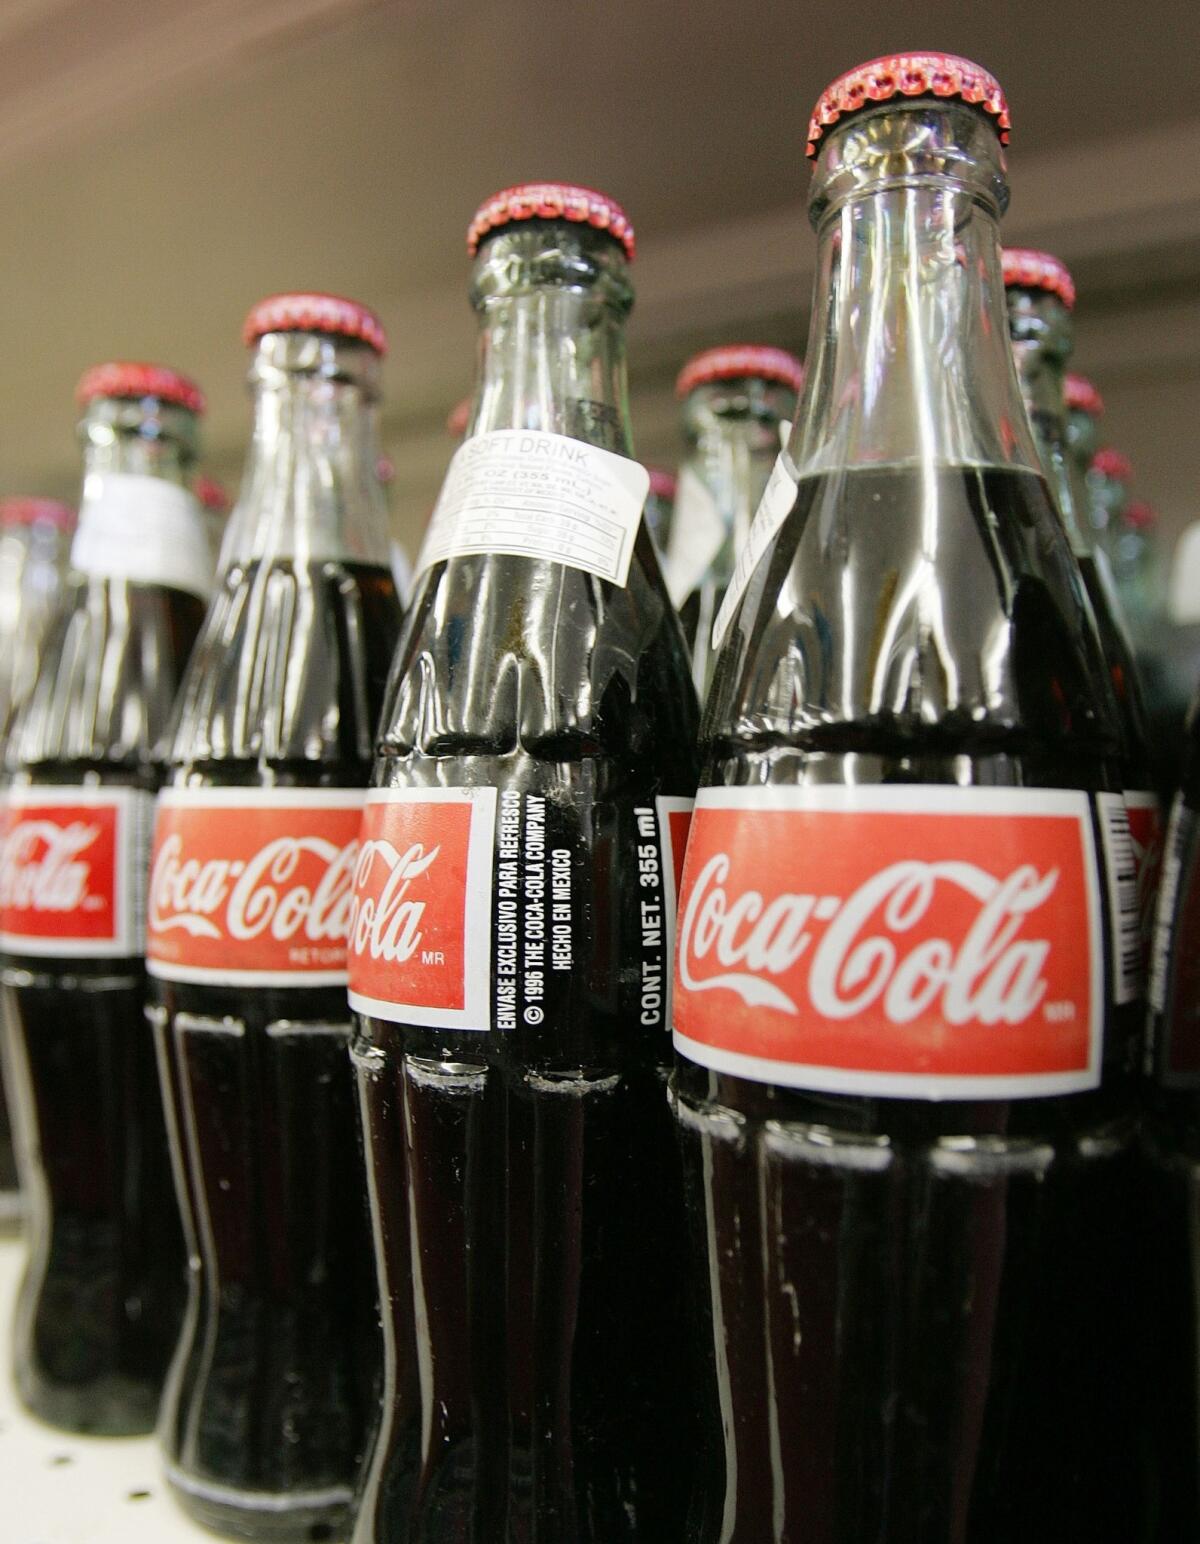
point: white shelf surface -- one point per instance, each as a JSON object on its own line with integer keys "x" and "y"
{"x": 61, "y": 1489}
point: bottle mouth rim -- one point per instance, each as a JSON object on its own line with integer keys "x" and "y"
{"x": 910, "y": 77}
{"x": 552, "y": 202}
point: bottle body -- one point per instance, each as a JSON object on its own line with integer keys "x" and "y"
{"x": 509, "y": 965}
{"x": 536, "y": 1157}
{"x": 100, "y": 1304}
{"x": 1171, "y": 1126}
{"x": 901, "y": 1093}
{"x": 34, "y": 538}
{"x": 266, "y": 1406}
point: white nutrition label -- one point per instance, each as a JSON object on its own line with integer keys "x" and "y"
{"x": 774, "y": 507}
{"x": 539, "y": 495}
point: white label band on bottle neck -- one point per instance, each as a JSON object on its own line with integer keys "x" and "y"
{"x": 137, "y": 527}
{"x": 539, "y": 495}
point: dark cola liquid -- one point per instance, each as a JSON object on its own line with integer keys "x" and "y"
{"x": 10, "y": 1197}
{"x": 266, "y": 1410}
{"x": 1169, "y": 1236}
{"x": 918, "y": 1315}
{"x": 525, "y": 1181}
{"x": 1122, "y": 672}
{"x": 101, "y": 1301}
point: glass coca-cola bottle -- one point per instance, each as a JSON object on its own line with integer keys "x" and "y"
{"x": 1041, "y": 298}
{"x": 511, "y": 949}
{"x": 733, "y": 401}
{"x": 903, "y": 1085}
{"x": 1136, "y": 569}
{"x": 1169, "y": 1241}
{"x": 216, "y": 504}
{"x": 1085, "y": 408}
{"x": 265, "y": 1409}
{"x": 385, "y": 471}
{"x": 1108, "y": 483}
{"x": 35, "y": 538}
{"x": 99, "y": 1307}
{"x": 660, "y": 505}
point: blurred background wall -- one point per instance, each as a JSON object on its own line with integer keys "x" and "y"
{"x": 164, "y": 164}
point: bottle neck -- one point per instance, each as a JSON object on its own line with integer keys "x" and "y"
{"x": 552, "y": 300}
{"x": 732, "y": 433}
{"x": 908, "y": 354}
{"x": 311, "y": 492}
{"x": 1040, "y": 328}
{"x": 136, "y": 439}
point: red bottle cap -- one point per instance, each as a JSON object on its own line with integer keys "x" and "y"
{"x": 911, "y": 75}
{"x": 315, "y": 312}
{"x": 458, "y": 418}
{"x": 551, "y": 201}
{"x": 385, "y": 470}
{"x": 1082, "y": 395}
{"x": 211, "y": 494}
{"x": 662, "y": 484}
{"x": 1026, "y": 269}
{"x": 127, "y": 378}
{"x": 1140, "y": 516}
{"x": 36, "y": 511}
{"x": 1111, "y": 463}
{"x": 741, "y": 359}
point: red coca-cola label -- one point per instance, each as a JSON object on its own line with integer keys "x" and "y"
{"x": 72, "y": 871}
{"x": 421, "y": 926}
{"x": 920, "y": 942}
{"x": 252, "y": 885}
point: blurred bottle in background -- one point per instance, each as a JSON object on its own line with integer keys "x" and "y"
{"x": 1085, "y": 408}
{"x": 1138, "y": 568}
{"x": 660, "y": 506}
{"x": 1169, "y": 1241}
{"x": 35, "y": 538}
{"x": 216, "y": 504}
{"x": 100, "y": 1303}
{"x": 265, "y": 1412}
{"x": 733, "y": 400}
{"x": 385, "y": 471}
{"x": 1041, "y": 298}
{"x": 1108, "y": 481}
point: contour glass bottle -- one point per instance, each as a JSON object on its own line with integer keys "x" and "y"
{"x": 35, "y": 537}
{"x": 99, "y": 1307}
{"x": 1108, "y": 480}
{"x": 511, "y": 948}
{"x": 733, "y": 401}
{"x": 1170, "y": 1237}
{"x": 660, "y": 505}
{"x": 1085, "y": 408}
{"x": 266, "y": 1407}
{"x": 903, "y": 1090}
{"x": 1041, "y": 298}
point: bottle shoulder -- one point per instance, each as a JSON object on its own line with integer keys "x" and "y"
{"x": 503, "y": 655}
{"x": 288, "y": 672}
{"x": 108, "y": 675}
{"x": 902, "y": 607}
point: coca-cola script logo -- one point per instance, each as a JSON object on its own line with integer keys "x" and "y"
{"x": 59, "y": 876}
{"x": 890, "y": 948}
{"x": 259, "y": 890}
{"x": 420, "y": 928}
